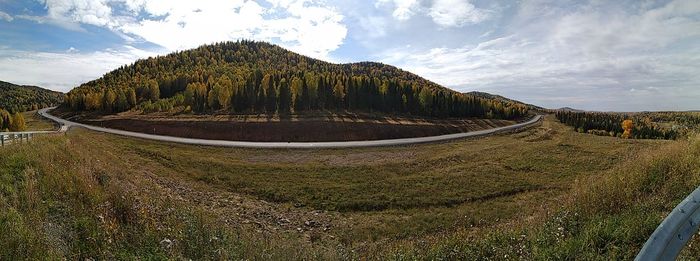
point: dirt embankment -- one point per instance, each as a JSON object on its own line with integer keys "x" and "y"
{"x": 299, "y": 128}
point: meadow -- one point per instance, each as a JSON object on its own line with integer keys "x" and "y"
{"x": 545, "y": 192}
{"x": 35, "y": 122}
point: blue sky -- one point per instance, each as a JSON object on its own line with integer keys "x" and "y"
{"x": 597, "y": 55}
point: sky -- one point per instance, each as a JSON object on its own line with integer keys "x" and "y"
{"x": 622, "y": 55}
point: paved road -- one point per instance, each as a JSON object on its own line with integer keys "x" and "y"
{"x": 65, "y": 125}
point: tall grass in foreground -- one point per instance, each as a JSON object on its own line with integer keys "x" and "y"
{"x": 55, "y": 204}
{"x": 60, "y": 200}
{"x": 608, "y": 217}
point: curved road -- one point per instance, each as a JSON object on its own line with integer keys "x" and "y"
{"x": 65, "y": 125}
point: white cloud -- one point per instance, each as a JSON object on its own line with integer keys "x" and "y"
{"x": 445, "y": 13}
{"x": 306, "y": 26}
{"x": 67, "y": 13}
{"x": 5, "y": 16}
{"x": 405, "y": 9}
{"x": 456, "y": 13}
{"x": 63, "y": 71}
{"x": 587, "y": 56}
{"x": 373, "y": 26}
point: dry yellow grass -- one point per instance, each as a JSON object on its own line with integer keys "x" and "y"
{"x": 116, "y": 197}
{"x": 36, "y": 122}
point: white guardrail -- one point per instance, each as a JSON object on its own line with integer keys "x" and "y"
{"x": 10, "y": 137}
{"x": 20, "y": 136}
{"x": 673, "y": 233}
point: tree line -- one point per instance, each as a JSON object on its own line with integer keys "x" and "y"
{"x": 11, "y": 121}
{"x": 637, "y": 126}
{"x": 256, "y": 77}
{"x": 15, "y": 98}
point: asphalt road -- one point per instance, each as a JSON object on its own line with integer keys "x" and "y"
{"x": 65, "y": 125}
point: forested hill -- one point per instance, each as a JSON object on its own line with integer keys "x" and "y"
{"x": 504, "y": 99}
{"x": 19, "y": 98}
{"x": 258, "y": 77}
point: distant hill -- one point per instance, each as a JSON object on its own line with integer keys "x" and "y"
{"x": 248, "y": 77}
{"x": 19, "y": 98}
{"x": 504, "y": 99}
{"x": 569, "y": 109}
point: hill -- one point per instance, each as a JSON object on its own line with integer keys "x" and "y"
{"x": 569, "y": 109}
{"x": 504, "y": 99}
{"x": 19, "y": 98}
{"x": 249, "y": 77}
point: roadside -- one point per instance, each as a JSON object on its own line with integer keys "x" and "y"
{"x": 88, "y": 195}
{"x": 36, "y": 122}
{"x": 307, "y": 127}
{"x": 297, "y": 145}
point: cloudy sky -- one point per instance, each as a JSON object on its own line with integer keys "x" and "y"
{"x": 623, "y": 55}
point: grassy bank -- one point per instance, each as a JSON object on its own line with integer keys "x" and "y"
{"x": 36, "y": 122}
{"x": 87, "y": 194}
{"x": 62, "y": 199}
{"x": 606, "y": 217}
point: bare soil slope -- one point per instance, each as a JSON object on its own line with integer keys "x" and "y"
{"x": 295, "y": 128}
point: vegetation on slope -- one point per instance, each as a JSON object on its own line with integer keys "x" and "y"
{"x": 504, "y": 99}
{"x": 608, "y": 217}
{"x": 645, "y": 125}
{"x": 36, "y": 122}
{"x": 11, "y": 121}
{"x": 67, "y": 198}
{"x": 15, "y": 98}
{"x": 257, "y": 77}
{"x": 92, "y": 195}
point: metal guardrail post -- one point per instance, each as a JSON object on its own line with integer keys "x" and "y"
{"x": 673, "y": 233}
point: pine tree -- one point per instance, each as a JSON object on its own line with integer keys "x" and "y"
{"x": 17, "y": 123}
{"x": 131, "y": 98}
{"x": 297, "y": 93}
{"x": 339, "y": 94}
{"x": 270, "y": 94}
{"x": 121, "y": 104}
{"x": 153, "y": 90}
{"x": 284, "y": 97}
{"x": 108, "y": 100}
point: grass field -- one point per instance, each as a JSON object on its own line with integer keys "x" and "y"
{"x": 36, "y": 122}
{"x": 87, "y": 194}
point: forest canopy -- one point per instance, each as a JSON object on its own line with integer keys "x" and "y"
{"x": 11, "y": 121}
{"x": 642, "y": 125}
{"x": 256, "y": 77}
{"x": 16, "y": 98}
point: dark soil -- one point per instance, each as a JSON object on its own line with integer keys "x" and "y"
{"x": 288, "y": 131}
